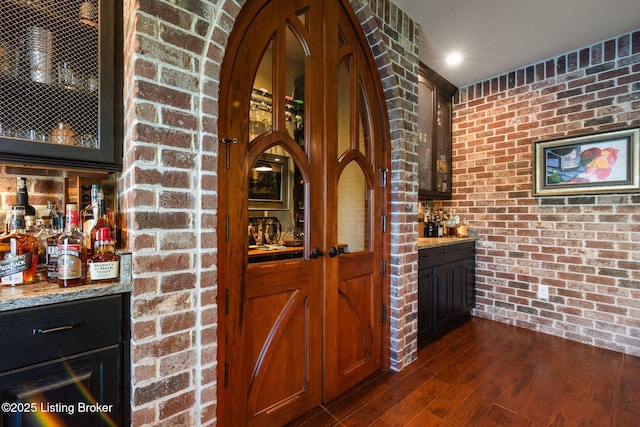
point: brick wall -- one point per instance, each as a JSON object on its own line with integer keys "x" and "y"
{"x": 393, "y": 38}
{"x": 169, "y": 196}
{"x": 585, "y": 248}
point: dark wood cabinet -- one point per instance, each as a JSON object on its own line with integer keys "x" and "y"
{"x": 446, "y": 287}
{"x": 434, "y": 134}
{"x": 61, "y": 84}
{"x": 67, "y": 363}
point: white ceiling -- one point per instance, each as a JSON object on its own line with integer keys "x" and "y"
{"x": 497, "y": 36}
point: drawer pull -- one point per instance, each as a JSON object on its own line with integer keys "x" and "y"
{"x": 41, "y": 331}
{"x": 442, "y": 253}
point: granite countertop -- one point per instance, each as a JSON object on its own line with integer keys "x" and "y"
{"x": 432, "y": 242}
{"x": 42, "y": 293}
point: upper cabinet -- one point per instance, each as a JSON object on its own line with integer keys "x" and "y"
{"x": 434, "y": 132}
{"x": 61, "y": 83}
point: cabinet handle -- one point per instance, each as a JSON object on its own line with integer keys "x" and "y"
{"x": 42, "y": 331}
{"x": 442, "y": 253}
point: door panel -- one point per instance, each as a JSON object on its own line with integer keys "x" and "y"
{"x": 358, "y": 322}
{"x": 280, "y": 312}
{"x": 354, "y": 211}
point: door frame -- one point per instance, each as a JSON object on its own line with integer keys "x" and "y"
{"x": 228, "y": 262}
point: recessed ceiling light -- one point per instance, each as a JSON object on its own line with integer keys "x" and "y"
{"x": 454, "y": 58}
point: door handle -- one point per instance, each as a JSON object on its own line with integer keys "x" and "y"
{"x": 341, "y": 249}
{"x": 315, "y": 253}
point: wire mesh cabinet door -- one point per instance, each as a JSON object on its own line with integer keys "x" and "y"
{"x": 59, "y": 80}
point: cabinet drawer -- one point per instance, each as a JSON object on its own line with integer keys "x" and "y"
{"x": 463, "y": 250}
{"x": 39, "y": 334}
{"x": 433, "y": 256}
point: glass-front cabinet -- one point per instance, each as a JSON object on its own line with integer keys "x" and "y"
{"x": 60, "y": 93}
{"x": 434, "y": 134}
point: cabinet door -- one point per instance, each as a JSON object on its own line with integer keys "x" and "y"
{"x": 60, "y": 84}
{"x": 65, "y": 391}
{"x": 425, "y": 303}
{"x": 434, "y": 134}
{"x": 441, "y": 295}
{"x": 458, "y": 288}
{"x": 469, "y": 290}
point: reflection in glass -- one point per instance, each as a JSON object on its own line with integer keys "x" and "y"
{"x": 294, "y": 100}
{"x": 275, "y": 228}
{"x": 344, "y": 107}
{"x": 261, "y": 105}
{"x": 353, "y": 216}
{"x": 425, "y": 134}
{"x": 443, "y": 138}
{"x": 363, "y": 134}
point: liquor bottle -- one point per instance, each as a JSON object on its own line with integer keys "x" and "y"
{"x": 432, "y": 228}
{"x": 52, "y": 249}
{"x": 451, "y": 225}
{"x": 50, "y": 214}
{"x": 89, "y": 214}
{"x": 462, "y": 229}
{"x": 421, "y": 224}
{"x": 102, "y": 221}
{"x": 39, "y": 232}
{"x": 18, "y": 252}
{"x": 104, "y": 266}
{"x": 111, "y": 217}
{"x": 22, "y": 198}
{"x": 440, "y": 228}
{"x": 72, "y": 252}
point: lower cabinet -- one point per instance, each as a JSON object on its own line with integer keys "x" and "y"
{"x": 446, "y": 288}
{"x": 67, "y": 365}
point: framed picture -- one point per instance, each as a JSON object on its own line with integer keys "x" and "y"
{"x": 269, "y": 183}
{"x": 591, "y": 164}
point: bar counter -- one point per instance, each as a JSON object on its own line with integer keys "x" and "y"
{"x": 43, "y": 293}
{"x": 432, "y": 242}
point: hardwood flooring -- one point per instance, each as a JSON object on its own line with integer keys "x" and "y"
{"x": 490, "y": 374}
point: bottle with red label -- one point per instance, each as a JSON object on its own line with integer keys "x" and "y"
{"x": 18, "y": 252}
{"x": 72, "y": 251}
{"x": 104, "y": 266}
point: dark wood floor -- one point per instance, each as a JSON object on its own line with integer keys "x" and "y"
{"x": 490, "y": 374}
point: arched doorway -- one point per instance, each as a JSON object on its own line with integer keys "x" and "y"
{"x": 303, "y": 208}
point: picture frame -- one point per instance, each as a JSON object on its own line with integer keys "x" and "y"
{"x": 269, "y": 183}
{"x": 606, "y": 162}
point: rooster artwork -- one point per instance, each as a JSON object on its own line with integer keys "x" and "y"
{"x": 581, "y": 164}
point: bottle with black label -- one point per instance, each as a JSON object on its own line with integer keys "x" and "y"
{"x": 18, "y": 252}
{"x": 432, "y": 227}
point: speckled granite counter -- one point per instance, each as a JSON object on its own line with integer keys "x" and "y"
{"x": 432, "y": 242}
{"x": 23, "y": 296}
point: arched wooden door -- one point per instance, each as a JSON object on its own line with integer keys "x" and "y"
{"x": 302, "y": 211}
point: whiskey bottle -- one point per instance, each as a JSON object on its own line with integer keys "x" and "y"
{"x": 104, "y": 266}
{"x": 18, "y": 252}
{"x": 101, "y": 222}
{"x": 39, "y": 232}
{"x": 22, "y": 198}
{"x": 72, "y": 252}
{"x": 52, "y": 249}
{"x": 432, "y": 227}
{"x": 89, "y": 214}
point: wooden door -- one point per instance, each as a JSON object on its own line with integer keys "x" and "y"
{"x": 284, "y": 301}
{"x": 355, "y": 208}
